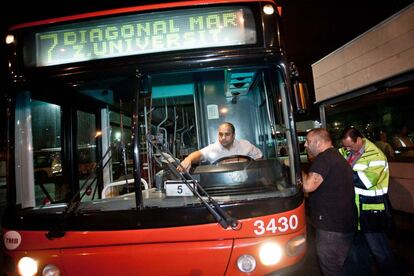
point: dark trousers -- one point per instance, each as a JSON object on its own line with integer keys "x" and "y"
{"x": 332, "y": 249}
{"x": 359, "y": 261}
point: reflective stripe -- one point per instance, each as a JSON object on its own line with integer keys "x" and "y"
{"x": 379, "y": 192}
{"x": 377, "y": 163}
{"x": 364, "y": 179}
{"x": 359, "y": 167}
{"x": 401, "y": 142}
{"x": 374, "y": 207}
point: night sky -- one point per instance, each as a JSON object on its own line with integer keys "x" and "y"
{"x": 312, "y": 29}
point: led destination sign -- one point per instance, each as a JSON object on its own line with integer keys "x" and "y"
{"x": 145, "y": 33}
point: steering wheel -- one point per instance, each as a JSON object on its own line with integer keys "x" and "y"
{"x": 236, "y": 156}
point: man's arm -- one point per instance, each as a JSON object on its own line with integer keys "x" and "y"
{"x": 255, "y": 152}
{"x": 311, "y": 181}
{"x": 193, "y": 158}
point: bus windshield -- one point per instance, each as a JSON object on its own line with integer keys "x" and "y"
{"x": 178, "y": 111}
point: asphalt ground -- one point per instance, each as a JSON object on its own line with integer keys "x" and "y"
{"x": 401, "y": 242}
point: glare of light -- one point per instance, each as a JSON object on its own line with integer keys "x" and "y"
{"x": 240, "y": 18}
{"x": 54, "y": 107}
{"x": 268, "y": 9}
{"x": 279, "y": 100}
{"x": 9, "y": 39}
{"x": 98, "y": 133}
{"x": 118, "y": 135}
{"x": 224, "y": 110}
{"x": 27, "y": 266}
{"x": 210, "y": 89}
{"x": 62, "y": 49}
{"x": 296, "y": 246}
{"x": 270, "y": 253}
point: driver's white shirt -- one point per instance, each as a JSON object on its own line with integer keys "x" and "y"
{"x": 216, "y": 151}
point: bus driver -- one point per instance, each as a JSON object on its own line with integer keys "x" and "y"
{"x": 226, "y": 146}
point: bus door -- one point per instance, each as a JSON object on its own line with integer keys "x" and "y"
{"x": 104, "y": 136}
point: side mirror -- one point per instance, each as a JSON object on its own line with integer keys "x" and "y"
{"x": 300, "y": 91}
{"x": 301, "y": 96}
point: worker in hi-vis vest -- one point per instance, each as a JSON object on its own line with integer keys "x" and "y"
{"x": 371, "y": 179}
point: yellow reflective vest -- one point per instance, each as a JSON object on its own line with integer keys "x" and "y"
{"x": 372, "y": 174}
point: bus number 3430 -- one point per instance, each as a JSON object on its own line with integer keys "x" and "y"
{"x": 282, "y": 225}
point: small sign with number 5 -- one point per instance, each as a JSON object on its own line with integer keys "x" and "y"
{"x": 178, "y": 188}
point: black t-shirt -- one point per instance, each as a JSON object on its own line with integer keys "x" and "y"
{"x": 332, "y": 204}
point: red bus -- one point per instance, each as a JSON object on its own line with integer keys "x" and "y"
{"x": 141, "y": 88}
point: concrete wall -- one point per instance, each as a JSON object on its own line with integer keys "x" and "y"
{"x": 401, "y": 188}
{"x": 382, "y": 52}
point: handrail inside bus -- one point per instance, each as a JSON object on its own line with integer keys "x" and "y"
{"x": 106, "y": 189}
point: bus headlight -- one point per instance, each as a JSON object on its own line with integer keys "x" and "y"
{"x": 268, "y": 9}
{"x": 246, "y": 263}
{"x": 51, "y": 270}
{"x": 9, "y": 39}
{"x": 296, "y": 246}
{"x": 270, "y": 253}
{"x": 27, "y": 266}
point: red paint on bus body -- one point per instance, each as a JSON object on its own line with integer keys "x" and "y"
{"x": 190, "y": 250}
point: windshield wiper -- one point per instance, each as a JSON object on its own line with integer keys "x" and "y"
{"x": 221, "y": 216}
{"x": 73, "y": 204}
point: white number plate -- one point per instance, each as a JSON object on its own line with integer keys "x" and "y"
{"x": 175, "y": 188}
{"x": 282, "y": 224}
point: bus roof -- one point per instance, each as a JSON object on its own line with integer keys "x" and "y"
{"x": 145, "y": 7}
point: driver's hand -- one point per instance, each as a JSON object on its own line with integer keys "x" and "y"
{"x": 184, "y": 165}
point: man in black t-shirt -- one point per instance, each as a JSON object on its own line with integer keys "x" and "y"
{"x": 331, "y": 201}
